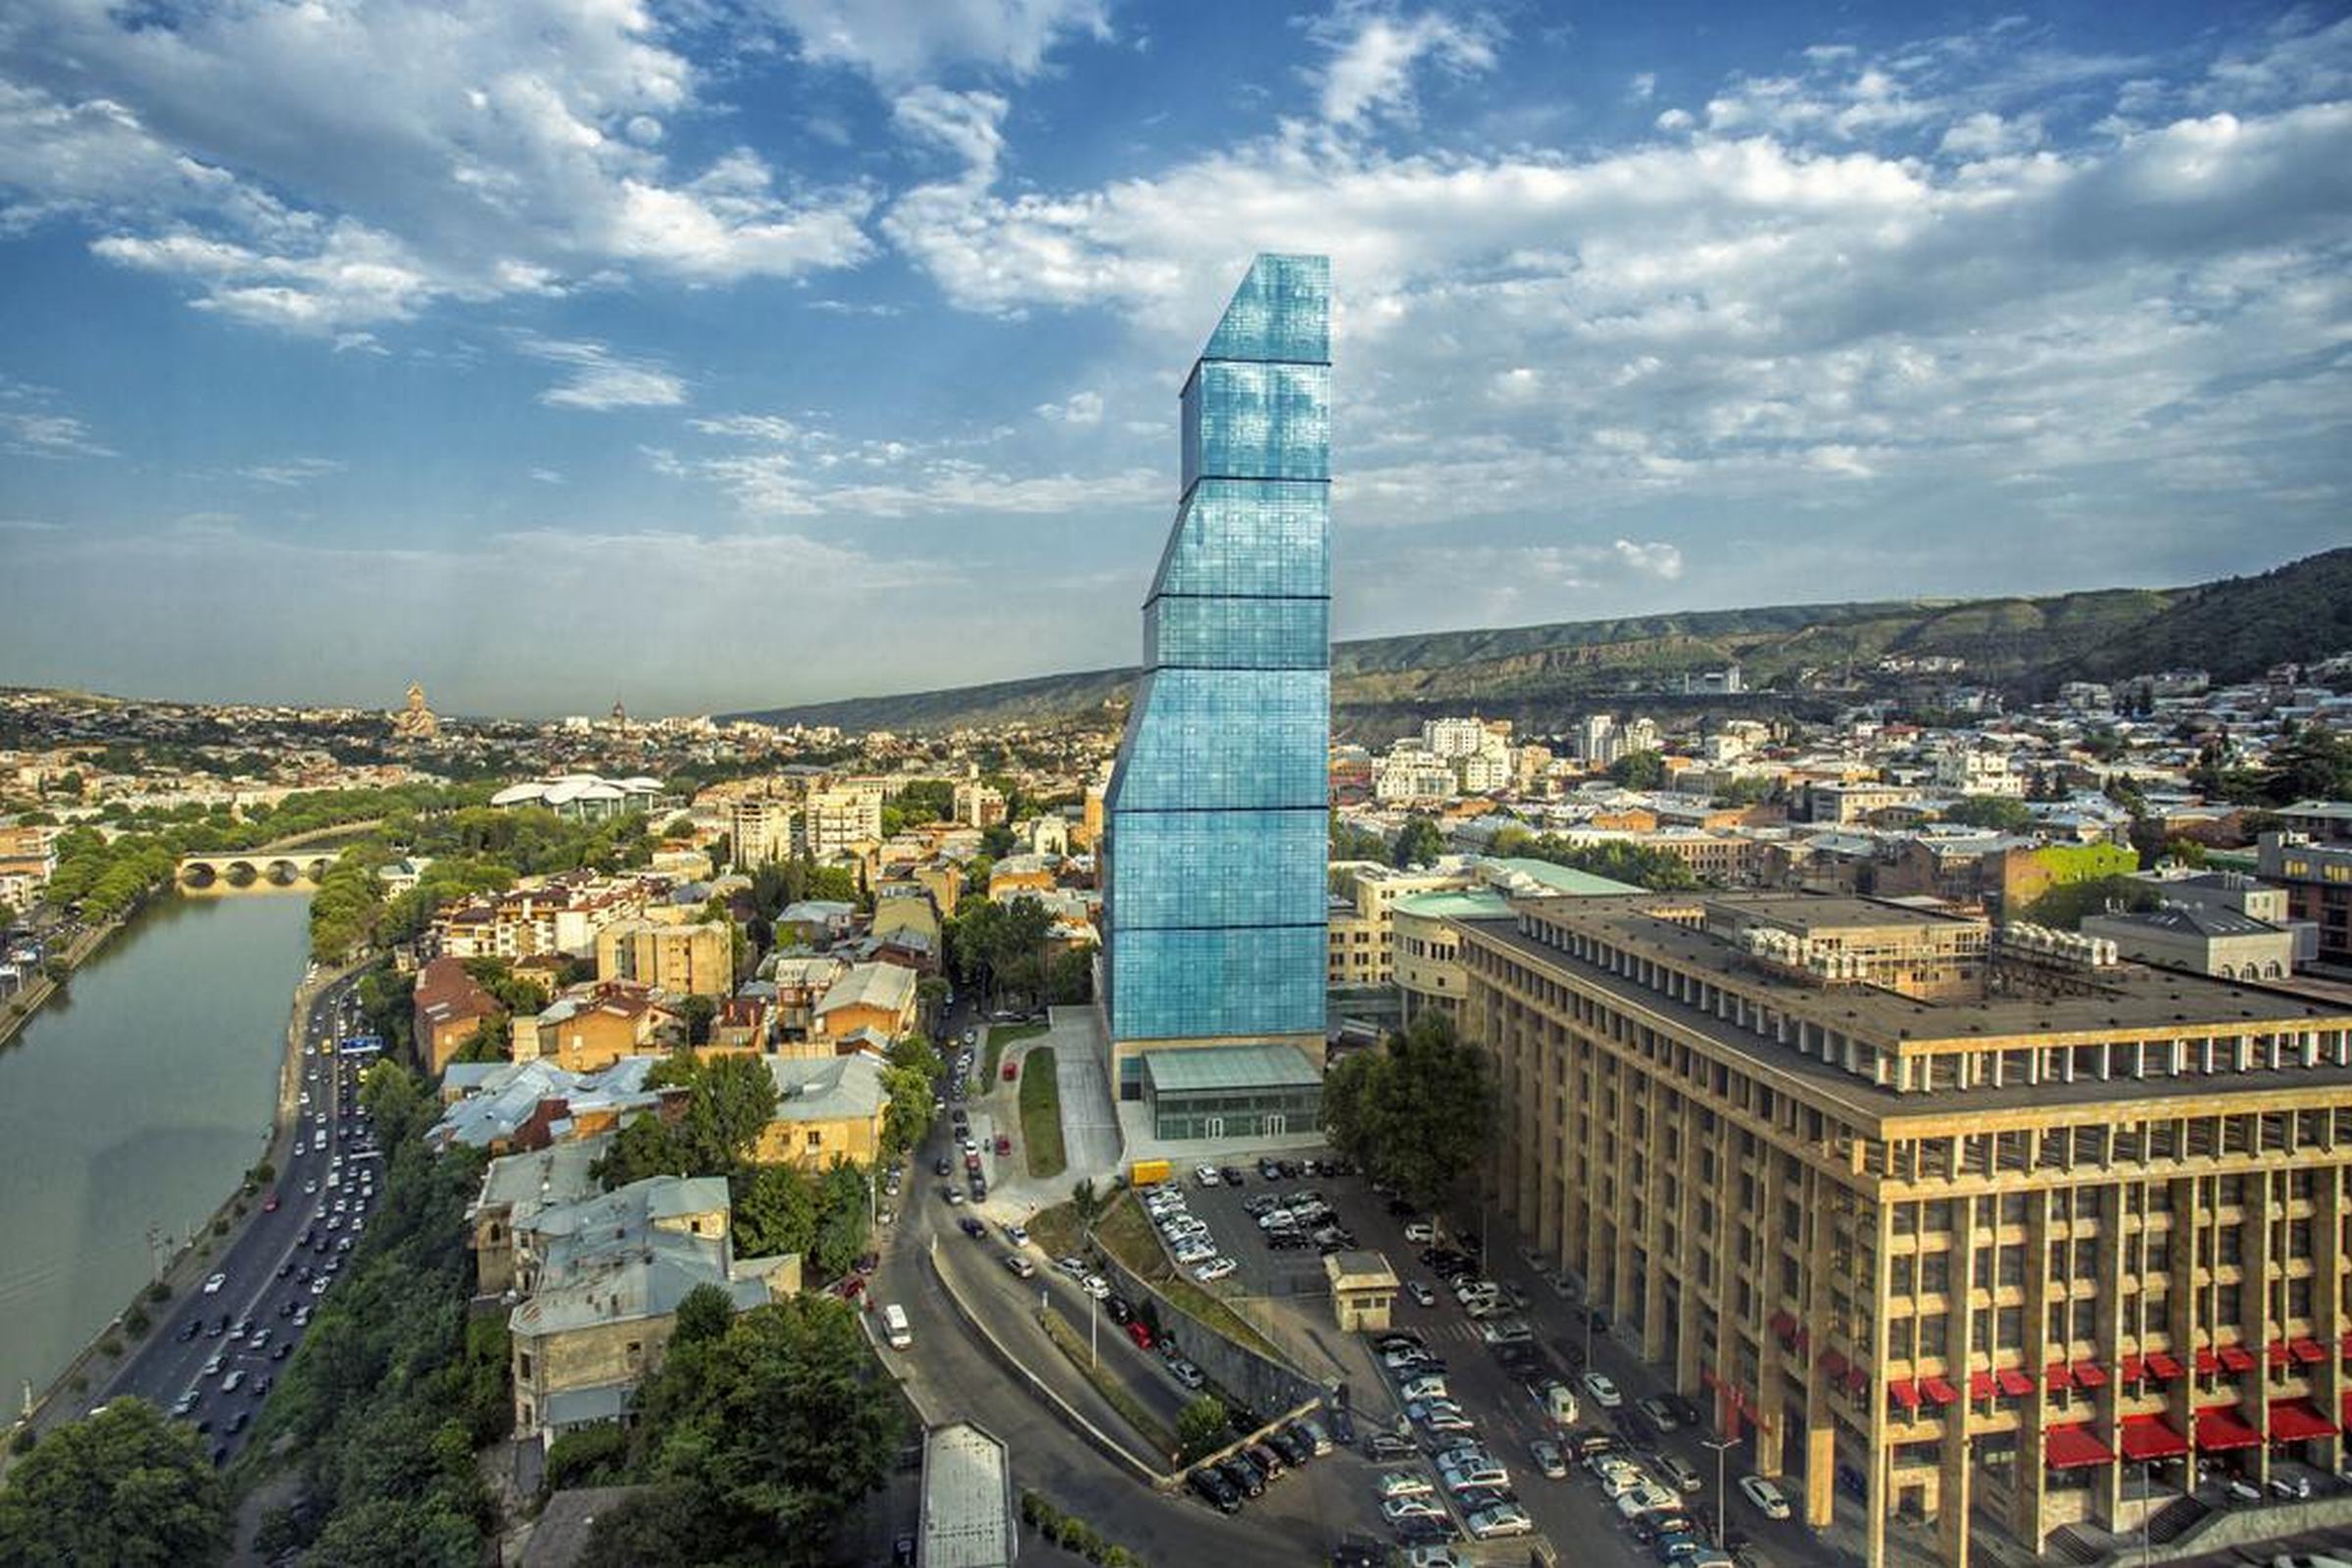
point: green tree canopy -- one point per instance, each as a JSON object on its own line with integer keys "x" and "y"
{"x": 1416, "y": 1111}
{"x": 1202, "y": 1427}
{"x": 123, "y": 1486}
{"x": 1991, "y": 811}
{"x": 1418, "y": 842}
{"x": 729, "y": 1101}
{"x": 1640, "y": 770}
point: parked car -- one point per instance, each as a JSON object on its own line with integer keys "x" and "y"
{"x": 1661, "y": 1415}
{"x": 1405, "y": 1483}
{"x": 1773, "y": 1503}
{"x": 1140, "y": 1332}
{"x": 1185, "y": 1373}
{"x": 1601, "y": 1391}
{"x": 1214, "y": 1489}
{"x": 1549, "y": 1461}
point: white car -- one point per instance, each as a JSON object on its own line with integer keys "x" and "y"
{"x": 1215, "y": 1269}
{"x": 1434, "y": 1556}
{"x": 1421, "y": 1231}
{"x": 1191, "y": 1253}
{"x": 211, "y": 1286}
{"x": 1405, "y": 1483}
{"x": 1769, "y": 1501}
{"x": 1207, "y": 1176}
{"x": 1502, "y": 1519}
{"x": 1096, "y": 1286}
{"x": 1396, "y": 1510}
{"x": 1649, "y": 1498}
{"x": 1428, "y": 1385}
{"x": 1601, "y": 1391}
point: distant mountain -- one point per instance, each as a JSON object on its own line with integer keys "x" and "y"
{"x": 1537, "y": 675}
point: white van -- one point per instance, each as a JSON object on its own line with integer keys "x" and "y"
{"x": 1559, "y": 1403}
{"x": 894, "y": 1329}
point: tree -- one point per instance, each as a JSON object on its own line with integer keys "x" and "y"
{"x": 399, "y": 1533}
{"x": 703, "y": 1313}
{"x": 2310, "y": 764}
{"x": 775, "y": 1211}
{"x": 56, "y": 970}
{"x": 1202, "y": 1427}
{"x": 1416, "y": 1111}
{"x": 1349, "y": 842}
{"x": 1070, "y": 977}
{"x": 124, "y": 1486}
{"x": 760, "y": 1440}
{"x": 699, "y": 1012}
{"x": 1991, "y": 811}
{"x": 1418, "y": 842}
{"x": 729, "y": 1101}
{"x": 1639, "y": 770}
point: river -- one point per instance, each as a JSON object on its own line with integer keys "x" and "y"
{"x": 135, "y": 1099}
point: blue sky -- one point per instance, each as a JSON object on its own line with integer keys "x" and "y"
{"x": 745, "y": 351}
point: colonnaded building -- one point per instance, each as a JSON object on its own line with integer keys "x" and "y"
{"x": 1217, "y": 821}
{"x": 1945, "y": 1219}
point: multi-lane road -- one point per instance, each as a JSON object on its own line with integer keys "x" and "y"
{"x": 212, "y": 1357}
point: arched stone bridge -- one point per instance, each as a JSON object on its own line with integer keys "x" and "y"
{"x": 285, "y": 868}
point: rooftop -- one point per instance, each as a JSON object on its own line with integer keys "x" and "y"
{"x": 967, "y": 1517}
{"x": 1206, "y": 1069}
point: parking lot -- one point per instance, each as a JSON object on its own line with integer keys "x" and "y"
{"x": 1260, "y": 1269}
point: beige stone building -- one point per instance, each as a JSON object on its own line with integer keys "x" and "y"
{"x": 2001, "y": 1227}
{"x": 693, "y": 959}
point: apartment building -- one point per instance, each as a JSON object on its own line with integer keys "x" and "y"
{"x": 693, "y": 959}
{"x": 2316, "y": 869}
{"x": 1990, "y": 1222}
{"x": 840, "y": 816}
{"x": 761, "y": 829}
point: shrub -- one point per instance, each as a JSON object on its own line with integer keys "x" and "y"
{"x": 111, "y": 1345}
{"x": 23, "y": 1440}
{"x": 159, "y": 1292}
{"x": 135, "y": 1322}
{"x": 220, "y": 1227}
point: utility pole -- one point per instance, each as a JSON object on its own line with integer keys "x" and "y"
{"x": 1094, "y": 1330}
{"x": 1723, "y": 1501}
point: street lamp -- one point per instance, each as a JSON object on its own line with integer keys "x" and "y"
{"x": 1723, "y": 1501}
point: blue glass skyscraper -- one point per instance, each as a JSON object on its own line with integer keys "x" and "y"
{"x": 1217, "y": 820}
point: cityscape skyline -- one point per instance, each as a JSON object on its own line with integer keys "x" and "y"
{"x": 1650, "y": 315}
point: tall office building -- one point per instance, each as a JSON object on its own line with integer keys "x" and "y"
{"x": 1946, "y": 1224}
{"x": 1217, "y": 824}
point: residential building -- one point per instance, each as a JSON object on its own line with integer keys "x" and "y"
{"x": 828, "y": 1108}
{"x": 841, "y": 817}
{"x": 876, "y": 999}
{"x": 1841, "y": 803}
{"x": 1357, "y": 946}
{"x": 590, "y": 1030}
{"x": 2314, "y": 865}
{"x": 1426, "y": 945}
{"x": 694, "y": 959}
{"x": 800, "y": 984}
{"x": 763, "y": 828}
{"x": 1217, "y": 833}
{"x": 1975, "y": 770}
{"x": 448, "y": 1007}
{"x": 1014, "y": 873}
{"x": 1453, "y": 737}
{"x": 511, "y": 1106}
{"x": 1411, "y": 774}
{"x": 1983, "y": 1223}
{"x": 601, "y": 1280}
{"x": 978, "y": 804}
{"x": 2201, "y": 940}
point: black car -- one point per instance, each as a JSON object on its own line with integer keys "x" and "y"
{"x": 1120, "y": 1312}
{"x": 1242, "y": 1477}
{"x": 286, "y": 1268}
{"x": 971, "y": 1227}
{"x": 1398, "y": 1340}
{"x": 979, "y": 1189}
{"x": 1216, "y": 1490}
{"x": 187, "y": 1331}
{"x": 1425, "y": 1530}
{"x": 1295, "y": 1446}
{"x": 1343, "y": 1426}
{"x": 279, "y": 1353}
{"x": 1684, "y": 1410}
{"x": 1269, "y": 1170}
{"x": 1386, "y": 1445}
{"x": 236, "y": 1423}
{"x": 1232, "y": 1175}
{"x": 1269, "y": 1463}
{"x": 941, "y": 1166}
{"x": 1290, "y": 1168}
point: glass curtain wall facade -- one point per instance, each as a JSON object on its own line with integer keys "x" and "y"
{"x": 1216, "y": 814}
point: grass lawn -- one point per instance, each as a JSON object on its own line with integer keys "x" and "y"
{"x": 1125, "y": 1232}
{"x": 1040, "y": 1115}
{"x": 1001, "y": 1035}
{"x": 1072, "y": 1339}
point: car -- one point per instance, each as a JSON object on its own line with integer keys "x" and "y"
{"x": 952, "y": 1196}
{"x": 1549, "y": 1461}
{"x": 979, "y": 1189}
{"x": 1003, "y": 1145}
{"x": 1215, "y": 1269}
{"x": 1386, "y": 1445}
{"x": 1343, "y": 1426}
{"x": 2290, "y": 1486}
{"x": 1421, "y": 1294}
{"x": 1434, "y": 1556}
{"x": 1140, "y": 1332}
{"x": 236, "y": 1423}
{"x": 1075, "y": 1267}
{"x": 318, "y": 1285}
{"x": 269, "y": 1205}
{"x": 1294, "y": 1449}
{"x": 1215, "y": 1491}
{"x": 1507, "y": 1331}
{"x": 1096, "y": 1286}
{"x": 1679, "y": 1472}
{"x": 1421, "y": 1231}
{"x": 942, "y": 1165}
{"x": 257, "y": 1339}
{"x": 1184, "y": 1372}
{"x": 281, "y": 1351}
{"x": 1772, "y": 1502}
{"x": 1241, "y": 1475}
{"x": 188, "y": 1331}
{"x": 1117, "y": 1307}
{"x": 212, "y": 1283}
{"x": 1426, "y": 1386}
{"x": 1403, "y": 1484}
{"x": 1393, "y": 1509}
{"x": 1208, "y": 1176}
{"x": 1269, "y": 1463}
{"x": 2314, "y": 1559}
{"x": 972, "y": 1227}
{"x": 1601, "y": 1391}
{"x": 1499, "y": 1520}
{"x": 2238, "y": 1489}
{"x": 184, "y": 1404}
{"x": 1661, "y": 1415}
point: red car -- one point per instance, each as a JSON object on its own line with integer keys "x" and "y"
{"x": 1012, "y": 1071}
{"x": 1141, "y": 1333}
{"x": 1003, "y": 1145}
{"x": 269, "y": 1205}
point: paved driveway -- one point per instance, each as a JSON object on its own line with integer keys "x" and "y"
{"x": 1089, "y": 1126}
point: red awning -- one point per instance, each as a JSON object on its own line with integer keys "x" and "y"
{"x": 2237, "y": 1359}
{"x": 2057, "y": 1376}
{"x": 2306, "y": 1350}
{"x": 1833, "y": 1363}
{"x": 2071, "y": 1448}
{"x": 1979, "y": 1386}
{"x": 2293, "y": 1420}
{"x": 2146, "y": 1437}
{"x": 2275, "y": 1353}
{"x": 2130, "y": 1369}
{"x": 2163, "y": 1366}
{"x": 2343, "y": 1346}
{"x": 1783, "y": 1324}
{"x": 2208, "y": 1363}
{"x": 1857, "y": 1380}
{"x": 2091, "y": 1375}
{"x": 1903, "y": 1391}
{"x": 2222, "y": 1427}
{"x": 1942, "y": 1393}
{"x": 2014, "y": 1382}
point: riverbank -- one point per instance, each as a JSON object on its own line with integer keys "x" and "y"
{"x": 29, "y": 1000}
{"x": 76, "y": 1390}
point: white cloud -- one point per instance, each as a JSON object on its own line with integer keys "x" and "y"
{"x": 548, "y": 475}
{"x": 1643, "y": 86}
{"x": 31, "y": 426}
{"x": 1985, "y": 134}
{"x": 1080, "y": 407}
{"x": 332, "y": 168}
{"x": 292, "y": 473}
{"x": 900, "y": 42}
{"x": 600, "y": 381}
{"x": 1374, "y": 51}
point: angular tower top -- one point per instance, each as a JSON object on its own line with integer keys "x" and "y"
{"x": 1282, "y": 312}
